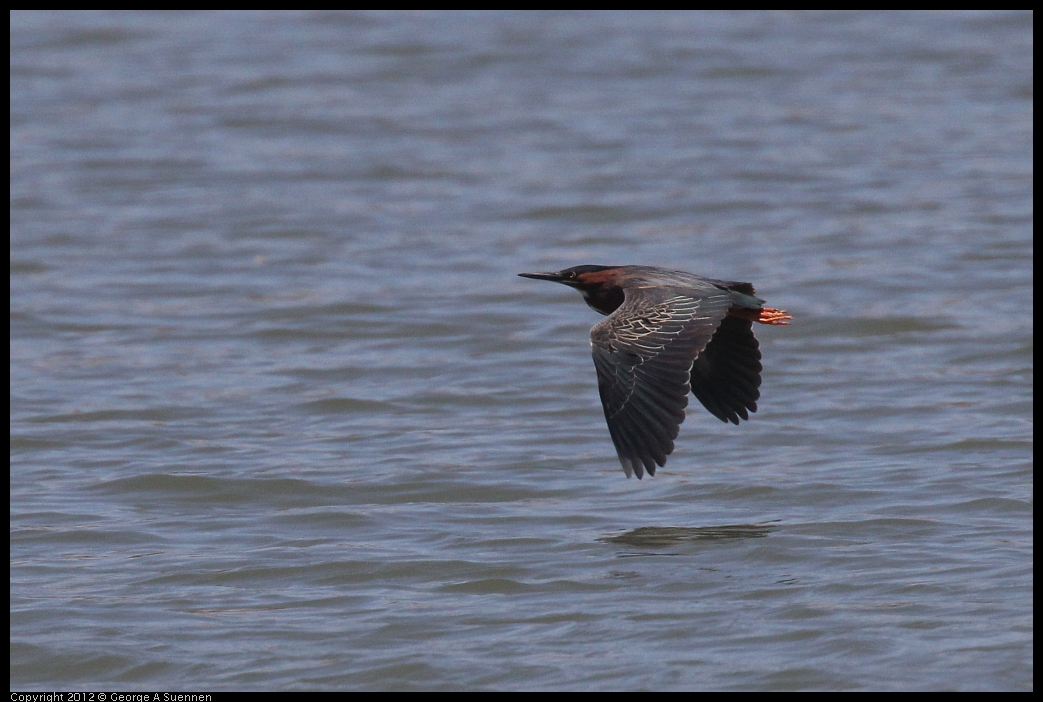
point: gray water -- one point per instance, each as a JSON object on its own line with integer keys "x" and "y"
{"x": 283, "y": 415}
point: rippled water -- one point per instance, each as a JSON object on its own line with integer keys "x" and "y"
{"x": 283, "y": 416}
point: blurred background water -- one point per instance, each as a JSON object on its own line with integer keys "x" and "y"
{"x": 283, "y": 416}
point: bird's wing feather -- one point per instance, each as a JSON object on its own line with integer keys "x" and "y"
{"x": 726, "y": 377}
{"x": 643, "y": 353}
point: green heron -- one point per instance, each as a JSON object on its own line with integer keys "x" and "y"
{"x": 668, "y": 333}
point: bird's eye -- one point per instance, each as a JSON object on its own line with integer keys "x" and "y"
{"x": 572, "y": 275}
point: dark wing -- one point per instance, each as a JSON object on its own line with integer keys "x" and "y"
{"x": 643, "y": 353}
{"x": 726, "y": 377}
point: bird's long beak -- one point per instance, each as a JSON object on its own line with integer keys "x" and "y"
{"x": 555, "y": 277}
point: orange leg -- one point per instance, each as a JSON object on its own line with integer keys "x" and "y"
{"x": 772, "y": 316}
{"x": 766, "y": 315}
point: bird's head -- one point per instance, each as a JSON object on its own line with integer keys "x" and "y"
{"x": 600, "y": 285}
{"x": 577, "y": 276}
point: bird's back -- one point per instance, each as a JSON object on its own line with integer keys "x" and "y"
{"x": 742, "y": 294}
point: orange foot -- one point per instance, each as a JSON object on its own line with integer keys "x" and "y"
{"x": 772, "y": 316}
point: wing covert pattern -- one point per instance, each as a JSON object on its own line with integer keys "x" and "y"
{"x": 643, "y": 353}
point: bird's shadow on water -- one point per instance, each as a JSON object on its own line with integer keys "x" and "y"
{"x": 660, "y": 536}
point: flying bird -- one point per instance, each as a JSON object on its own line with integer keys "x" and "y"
{"x": 668, "y": 333}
